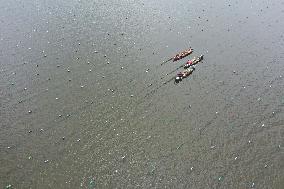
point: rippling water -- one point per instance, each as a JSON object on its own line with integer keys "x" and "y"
{"x": 83, "y": 102}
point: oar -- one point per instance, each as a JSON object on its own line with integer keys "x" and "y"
{"x": 166, "y": 61}
{"x": 157, "y": 88}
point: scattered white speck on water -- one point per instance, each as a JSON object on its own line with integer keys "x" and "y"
{"x": 249, "y": 141}
{"x": 191, "y": 168}
{"x": 122, "y": 67}
{"x": 95, "y": 51}
{"x": 236, "y": 157}
{"x": 30, "y": 111}
{"x": 68, "y": 70}
{"x": 9, "y": 147}
{"x": 262, "y": 125}
{"x": 46, "y": 89}
{"x": 56, "y": 98}
{"x": 131, "y": 95}
{"x": 253, "y": 185}
{"x": 116, "y": 171}
{"x": 265, "y": 166}
{"x": 82, "y": 86}
{"x": 90, "y": 70}
{"x": 78, "y": 140}
{"x": 46, "y": 161}
{"x": 258, "y": 99}
{"x": 41, "y": 130}
{"x": 59, "y": 115}
{"x": 217, "y": 112}
{"x": 270, "y": 86}
{"x": 25, "y": 88}
{"x": 212, "y": 147}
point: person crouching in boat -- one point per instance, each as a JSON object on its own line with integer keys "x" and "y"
{"x": 182, "y": 54}
{"x": 184, "y": 74}
{"x": 193, "y": 62}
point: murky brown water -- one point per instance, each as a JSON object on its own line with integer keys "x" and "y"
{"x": 77, "y": 110}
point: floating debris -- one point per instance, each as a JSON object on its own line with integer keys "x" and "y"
{"x": 220, "y": 178}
